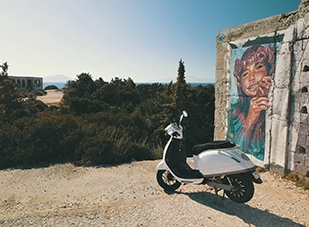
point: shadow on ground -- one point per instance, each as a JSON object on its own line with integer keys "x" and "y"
{"x": 250, "y": 215}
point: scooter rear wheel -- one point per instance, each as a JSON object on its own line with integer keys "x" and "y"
{"x": 167, "y": 181}
{"x": 243, "y": 188}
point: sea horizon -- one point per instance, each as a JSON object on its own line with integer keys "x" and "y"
{"x": 61, "y": 85}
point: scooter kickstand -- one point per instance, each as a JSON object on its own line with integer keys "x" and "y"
{"x": 223, "y": 195}
{"x": 217, "y": 190}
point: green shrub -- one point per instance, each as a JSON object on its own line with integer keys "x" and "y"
{"x": 99, "y": 122}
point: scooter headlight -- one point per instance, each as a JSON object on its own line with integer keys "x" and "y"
{"x": 245, "y": 157}
{"x": 170, "y": 129}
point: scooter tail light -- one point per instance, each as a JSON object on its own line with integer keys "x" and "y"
{"x": 244, "y": 157}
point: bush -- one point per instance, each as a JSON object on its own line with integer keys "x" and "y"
{"x": 51, "y": 87}
{"x": 99, "y": 122}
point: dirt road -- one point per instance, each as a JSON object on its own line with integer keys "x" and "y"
{"x": 128, "y": 195}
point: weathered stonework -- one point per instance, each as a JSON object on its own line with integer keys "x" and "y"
{"x": 287, "y": 121}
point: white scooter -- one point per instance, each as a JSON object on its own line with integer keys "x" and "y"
{"x": 219, "y": 164}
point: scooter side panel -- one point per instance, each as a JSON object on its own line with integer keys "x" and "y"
{"x": 220, "y": 162}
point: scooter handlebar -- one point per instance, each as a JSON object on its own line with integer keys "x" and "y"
{"x": 184, "y": 114}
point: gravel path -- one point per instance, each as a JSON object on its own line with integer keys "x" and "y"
{"x": 128, "y": 195}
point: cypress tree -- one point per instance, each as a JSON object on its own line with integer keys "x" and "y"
{"x": 180, "y": 92}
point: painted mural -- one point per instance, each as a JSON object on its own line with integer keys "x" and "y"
{"x": 251, "y": 80}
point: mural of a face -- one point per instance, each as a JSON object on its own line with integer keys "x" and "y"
{"x": 253, "y": 72}
{"x": 256, "y": 63}
{"x": 251, "y": 78}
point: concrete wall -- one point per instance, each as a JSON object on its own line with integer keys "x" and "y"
{"x": 282, "y": 126}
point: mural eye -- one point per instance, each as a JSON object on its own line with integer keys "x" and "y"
{"x": 259, "y": 66}
{"x": 244, "y": 74}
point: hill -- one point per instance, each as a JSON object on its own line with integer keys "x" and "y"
{"x": 56, "y": 78}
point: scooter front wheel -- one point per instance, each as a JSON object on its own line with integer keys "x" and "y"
{"x": 167, "y": 181}
{"x": 243, "y": 188}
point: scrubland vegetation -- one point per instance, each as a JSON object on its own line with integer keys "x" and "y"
{"x": 100, "y": 122}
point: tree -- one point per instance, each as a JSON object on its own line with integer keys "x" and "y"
{"x": 180, "y": 92}
{"x": 78, "y": 95}
{"x": 181, "y": 73}
{"x": 10, "y": 97}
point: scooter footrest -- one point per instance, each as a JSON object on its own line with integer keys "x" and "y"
{"x": 193, "y": 174}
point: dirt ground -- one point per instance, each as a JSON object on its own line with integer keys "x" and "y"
{"x": 52, "y": 97}
{"x": 128, "y": 195}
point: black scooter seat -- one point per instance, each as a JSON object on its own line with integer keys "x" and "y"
{"x": 212, "y": 145}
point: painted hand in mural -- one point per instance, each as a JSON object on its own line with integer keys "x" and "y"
{"x": 264, "y": 86}
{"x": 257, "y": 104}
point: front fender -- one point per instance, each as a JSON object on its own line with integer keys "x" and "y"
{"x": 161, "y": 166}
{"x": 255, "y": 177}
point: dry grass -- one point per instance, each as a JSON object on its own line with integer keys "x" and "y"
{"x": 298, "y": 182}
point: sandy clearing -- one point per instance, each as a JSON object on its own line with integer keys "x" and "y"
{"x": 52, "y": 96}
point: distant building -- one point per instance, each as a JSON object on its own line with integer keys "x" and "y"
{"x": 27, "y": 82}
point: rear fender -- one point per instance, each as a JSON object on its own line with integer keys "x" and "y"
{"x": 257, "y": 180}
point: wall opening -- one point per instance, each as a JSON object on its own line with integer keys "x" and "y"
{"x": 306, "y": 68}
{"x": 29, "y": 84}
{"x": 307, "y": 174}
{"x": 304, "y": 110}
{"x": 304, "y": 90}
{"x": 301, "y": 150}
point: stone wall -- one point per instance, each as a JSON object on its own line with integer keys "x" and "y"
{"x": 286, "y": 130}
{"x": 298, "y": 154}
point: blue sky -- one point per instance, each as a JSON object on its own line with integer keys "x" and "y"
{"x": 140, "y": 39}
